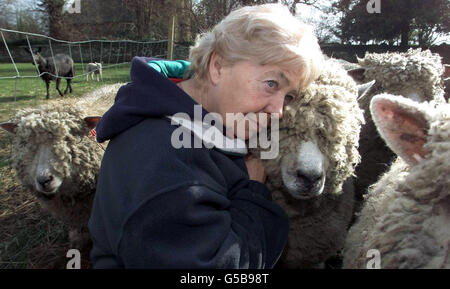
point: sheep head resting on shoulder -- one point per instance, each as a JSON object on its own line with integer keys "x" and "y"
{"x": 406, "y": 213}
{"x": 53, "y": 154}
{"x": 318, "y": 137}
{"x": 318, "y": 140}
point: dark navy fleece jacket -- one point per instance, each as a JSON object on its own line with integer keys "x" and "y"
{"x": 161, "y": 207}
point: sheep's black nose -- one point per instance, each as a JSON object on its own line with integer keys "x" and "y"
{"x": 308, "y": 179}
{"x": 44, "y": 180}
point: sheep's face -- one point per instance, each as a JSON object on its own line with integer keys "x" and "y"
{"x": 50, "y": 146}
{"x": 319, "y": 136}
{"x": 304, "y": 170}
{"x": 44, "y": 159}
{"x": 42, "y": 172}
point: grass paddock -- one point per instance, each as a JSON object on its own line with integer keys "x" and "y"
{"x": 16, "y": 93}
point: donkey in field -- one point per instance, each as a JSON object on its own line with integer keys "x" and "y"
{"x": 61, "y": 66}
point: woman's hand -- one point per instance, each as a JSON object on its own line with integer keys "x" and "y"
{"x": 255, "y": 169}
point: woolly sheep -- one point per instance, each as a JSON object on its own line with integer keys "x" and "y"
{"x": 406, "y": 214}
{"x": 344, "y": 63}
{"x": 94, "y": 68}
{"x": 57, "y": 159}
{"x": 416, "y": 74}
{"x": 317, "y": 156}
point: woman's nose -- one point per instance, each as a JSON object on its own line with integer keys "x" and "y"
{"x": 276, "y": 105}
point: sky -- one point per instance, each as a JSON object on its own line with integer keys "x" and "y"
{"x": 316, "y": 17}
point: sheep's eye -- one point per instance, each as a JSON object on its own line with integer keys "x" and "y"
{"x": 287, "y": 99}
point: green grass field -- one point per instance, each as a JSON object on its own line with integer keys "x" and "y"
{"x": 24, "y": 92}
{"x": 30, "y": 238}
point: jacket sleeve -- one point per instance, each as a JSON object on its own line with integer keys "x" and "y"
{"x": 195, "y": 226}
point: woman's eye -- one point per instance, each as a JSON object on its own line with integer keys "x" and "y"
{"x": 272, "y": 84}
{"x": 287, "y": 99}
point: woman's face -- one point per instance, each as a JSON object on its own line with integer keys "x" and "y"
{"x": 247, "y": 87}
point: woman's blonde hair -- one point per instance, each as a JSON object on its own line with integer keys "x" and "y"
{"x": 265, "y": 34}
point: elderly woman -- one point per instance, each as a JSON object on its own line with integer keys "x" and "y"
{"x": 159, "y": 205}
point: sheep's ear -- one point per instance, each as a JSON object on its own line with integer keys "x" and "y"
{"x": 9, "y": 127}
{"x": 357, "y": 74}
{"x": 402, "y": 124}
{"x": 91, "y": 121}
{"x": 364, "y": 88}
{"x": 39, "y": 50}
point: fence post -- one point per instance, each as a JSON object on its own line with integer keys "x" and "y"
{"x": 172, "y": 30}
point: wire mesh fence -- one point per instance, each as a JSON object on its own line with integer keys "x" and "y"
{"x": 110, "y": 52}
{"x": 20, "y": 83}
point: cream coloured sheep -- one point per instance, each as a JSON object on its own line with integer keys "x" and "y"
{"x": 311, "y": 177}
{"x": 94, "y": 69}
{"x": 415, "y": 74}
{"x": 56, "y": 157}
{"x": 406, "y": 213}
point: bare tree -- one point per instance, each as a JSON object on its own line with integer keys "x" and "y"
{"x": 151, "y": 17}
{"x": 184, "y": 19}
{"x": 207, "y": 13}
{"x": 54, "y": 11}
{"x": 6, "y": 9}
{"x": 292, "y": 4}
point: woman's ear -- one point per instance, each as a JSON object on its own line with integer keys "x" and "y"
{"x": 215, "y": 67}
